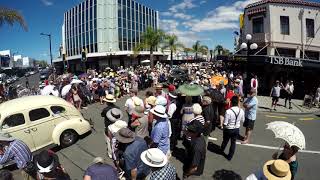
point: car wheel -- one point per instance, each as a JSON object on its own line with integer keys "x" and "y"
{"x": 68, "y": 137}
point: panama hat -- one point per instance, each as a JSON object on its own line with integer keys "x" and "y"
{"x": 159, "y": 111}
{"x": 114, "y": 114}
{"x": 154, "y": 157}
{"x": 110, "y": 98}
{"x": 151, "y": 100}
{"x": 6, "y": 137}
{"x": 277, "y": 170}
{"x": 125, "y": 135}
{"x": 115, "y": 127}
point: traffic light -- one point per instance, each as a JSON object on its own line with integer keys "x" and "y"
{"x": 83, "y": 56}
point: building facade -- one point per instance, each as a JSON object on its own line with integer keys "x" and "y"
{"x": 108, "y": 30}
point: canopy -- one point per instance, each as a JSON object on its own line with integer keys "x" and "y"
{"x": 191, "y": 89}
{"x": 215, "y": 80}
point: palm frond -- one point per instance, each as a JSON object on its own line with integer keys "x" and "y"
{"x": 11, "y": 16}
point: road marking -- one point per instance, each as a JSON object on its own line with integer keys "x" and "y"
{"x": 308, "y": 119}
{"x": 212, "y": 139}
{"x": 278, "y": 117}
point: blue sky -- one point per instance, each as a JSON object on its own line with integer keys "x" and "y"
{"x": 210, "y": 21}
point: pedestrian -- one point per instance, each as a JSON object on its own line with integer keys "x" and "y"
{"x": 17, "y": 150}
{"x": 133, "y": 147}
{"x": 131, "y": 103}
{"x": 140, "y": 122}
{"x": 187, "y": 112}
{"x": 275, "y": 94}
{"x": 75, "y": 97}
{"x": 160, "y": 133}
{"x": 231, "y": 124}
{"x": 161, "y": 169}
{"x": 197, "y": 111}
{"x": 113, "y": 115}
{"x": 251, "y": 106}
{"x": 289, "y": 92}
{"x": 196, "y": 152}
{"x": 254, "y": 83}
{"x": 209, "y": 116}
{"x": 173, "y": 115}
{"x": 100, "y": 170}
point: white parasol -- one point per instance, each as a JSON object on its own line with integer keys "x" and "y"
{"x": 288, "y": 132}
{"x": 76, "y": 81}
{"x": 47, "y": 90}
{"x": 65, "y": 90}
{"x": 55, "y": 93}
{"x": 145, "y": 61}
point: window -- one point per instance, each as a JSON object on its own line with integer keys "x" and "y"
{"x": 286, "y": 52}
{"x": 257, "y": 25}
{"x": 57, "y": 109}
{"x": 284, "y": 25}
{"x": 37, "y": 114}
{"x": 310, "y": 28}
{"x": 13, "y": 120}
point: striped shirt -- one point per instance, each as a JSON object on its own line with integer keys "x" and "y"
{"x": 17, "y": 151}
{"x": 199, "y": 118}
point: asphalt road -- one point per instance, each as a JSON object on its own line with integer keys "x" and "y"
{"x": 247, "y": 158}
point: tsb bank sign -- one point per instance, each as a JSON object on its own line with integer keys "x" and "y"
{"x": 287, "y": 61}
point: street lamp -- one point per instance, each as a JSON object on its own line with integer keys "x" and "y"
{"x": 49, "y": 35}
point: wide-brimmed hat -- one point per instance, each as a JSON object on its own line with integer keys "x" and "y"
{"x": 159, "y": 111}
{"x": 110, "y": 98}
{"x": 197, "y": 109}
{"x": 116, "y": 126}
{"x": 161, "y": 101}
{"x": 138, "y": 111}
{"x": 136, "y": 101}
{"x": 277, "y": 170}
{"x": 125, "y": 135}
{"x": 195, "y": 126}
{"x": 6, "y": 137}
{"x": 46, "y": 162}
{"x": 151, "y": 100}
{"x": 154, "y": 157}
{"x": 114, "y": 114}
{"x": 173, "y": 94}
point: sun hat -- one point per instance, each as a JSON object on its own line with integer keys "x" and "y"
{"x": 277, "y": 170}
{"x": 125, "y": 135}
{"x": 161, "y": 101}
{"x": 173, "y": 94}
{"x": 6, "y": 137}
{"x": 110, "y": 98}
{"x": 46, "y": 162}
{"x": 98, "y": 160}
{"x": 136, "y": 101}
{"x": 197, "y": 109}
{"x": 138, "y": 111}
{"x": 195, "y": 126}
{"x": 114, "y": 114}
{"x": 151, "y": 100}
{"x": 116, "y": 126}
{"x": 154, "y": 157}
{"x": 159, "y": 111}
{"x": 207, "y": 99}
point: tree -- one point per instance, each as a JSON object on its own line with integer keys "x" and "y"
{"x": 218, "y": 49}
{"x": 186, "y": 50}
{"x": 171, "y": 42}
{"x": 198, "y": 48}
{"x": 11, "y": 16}
{"x": 211, "y": 54}
{"x": 41, "y": 63}
{"x": 150, "y": 40}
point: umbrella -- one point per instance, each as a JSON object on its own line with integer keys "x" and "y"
{"x": 288, "y": 132}
{"x": 65, "y": 90}
{"x": 215, "y": 80}
{"x": 47, "y": 90}
{"x": 191, "y": 89}
{"x": 145, "y": 61}
{"x": 76, "y": 81}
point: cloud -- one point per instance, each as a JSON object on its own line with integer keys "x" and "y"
{"x": 47, "y": 2}
{"x": 177, "y": 15}
{"x": 203, "y": 2}
{"x": 184, "y": 5}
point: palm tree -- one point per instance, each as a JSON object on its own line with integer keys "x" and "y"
{"x": 211, "y": 54}
{"x": 198, "y": 48}
{"x": 218, "y": 49}
{"x": 11, "y": 16}
{"x": 150, "y": 40}
{"x": 171, "y": 42}
{"x": 186, "y": 50}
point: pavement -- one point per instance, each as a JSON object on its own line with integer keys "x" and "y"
{"x": 247, "y": 159}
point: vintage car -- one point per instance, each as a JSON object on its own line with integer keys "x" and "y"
{"x": 40, "y": 121}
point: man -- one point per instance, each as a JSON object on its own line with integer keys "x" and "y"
{"x": 251, "y": 106}
{"x": 133, "y": 147}
{"x": 254, "y": 83}
{"x": 140, "y": 122}
{"x": 100, "y": 170}
{"x": 174, "y": 119}
{"x": 160, "y": 133}
{"x": 131, "y": 103}
{"x": 16, "y": 150}
{"x": 161, "y": 169}
{"x": 275, "y": 94}
{"x": 196, "y": 153}
{"x": 289, "y": 89}
{"x": 209, "y": 115}
{"x": 231, "y": 124}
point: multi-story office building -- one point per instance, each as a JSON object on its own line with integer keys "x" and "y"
{"x": 108, "y": 30}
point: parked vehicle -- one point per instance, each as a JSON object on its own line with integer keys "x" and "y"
{"x": 40, "y": 121}
{"x": 44, "y": 74}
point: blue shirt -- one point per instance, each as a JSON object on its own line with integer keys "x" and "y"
{"x": 19, "y": 152}
{"x": 251, "y": 112}
{"x": 160, "y": 135}
{"x": 102, "y": 172}
{"x": 132, "y": 157}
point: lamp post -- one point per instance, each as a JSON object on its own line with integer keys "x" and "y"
{"x": 49, "y": 35}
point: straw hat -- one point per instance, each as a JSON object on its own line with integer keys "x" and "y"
{"x": 151, "y": 100}
{"x": 154, "y": 157}
{"x": 114, "y": 114}
{"x": 159, "y": 111}
{"x": 115, "y": 127}
{"x": 125, "y": 135}
{"x": 277, "y": 170}
{"x": 109, "y": 98}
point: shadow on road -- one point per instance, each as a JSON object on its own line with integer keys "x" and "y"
{"x": 214, "y": 148}
{"x": 226, "y": 174}
{"x": 179, "y": 154}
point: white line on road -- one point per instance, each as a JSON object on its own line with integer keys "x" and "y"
{"x": 212, "y": 138}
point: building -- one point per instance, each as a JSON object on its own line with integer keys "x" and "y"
{"x": 108, "y": 30}
{"x": 288, "y": 39}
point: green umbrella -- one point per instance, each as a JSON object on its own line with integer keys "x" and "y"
{"x": 190, "y": 89}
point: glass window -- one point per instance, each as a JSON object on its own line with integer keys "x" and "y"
{"x": 13, "y": 120}
{"x": 91, "y": 13}
{"x": 96, "y": 47}
{"x": 119, "y": 22}
{"x": 124, "y": 15}
{"x": 37, "y": 114}
{"x": 91, "y": 37}
{"x": 310, "y": 27}
{"x": 91, "y": 2}
{"x": 95, "y": 12}
{"x": 125, "y": 47}
{"x": 120, "y": 45}
{"x": 57, "y": 109}
{"x": 87, "y": 3}
{"x": 119, "y": 11}
{"x": 87, "y": 15}
{"x": 95, "y": 23}
{"x": 94, "y": 2}
{"x": 129, "y": 25}
{"x": 124, "y": 24}
{"x": 95, "y": 37}
{"x": 284, "y": 25}
{"x": 129, "y": 46}
{"x": 129, "y": 35}
{"x": 87, "y": 38}
{"x": 128, "y": 3}
{"x": 128, "y": 13}
{"x": 257, "y": 25}
{"x": 120, "y": 34}
{"x": 286, "y": 52}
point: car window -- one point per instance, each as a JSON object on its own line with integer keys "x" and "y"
{"x": 57, "y": 109}
{"x": 37, "y": 114}
{"x": 13, "y": 120}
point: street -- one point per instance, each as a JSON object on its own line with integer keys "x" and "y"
{"x": 247, "y": 159}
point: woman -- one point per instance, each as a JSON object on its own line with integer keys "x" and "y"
{"x": 101, "y": 92}
{"x": 187, "y": 112}
{"x": 75, "y": 96}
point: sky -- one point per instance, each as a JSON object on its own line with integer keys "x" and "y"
{"x": 212, "y": 22}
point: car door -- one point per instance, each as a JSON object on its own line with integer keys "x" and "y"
{"x": 17, "y": 126}
{"x": 41, "y": 126}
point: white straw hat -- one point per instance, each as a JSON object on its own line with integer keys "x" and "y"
{"x": 154, "y": 157}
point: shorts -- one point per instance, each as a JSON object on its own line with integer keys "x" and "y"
{"x": 248, "y": 123}
{"x": 274, "y": 98}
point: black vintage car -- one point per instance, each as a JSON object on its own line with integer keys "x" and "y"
{"x": 177, "y": 77}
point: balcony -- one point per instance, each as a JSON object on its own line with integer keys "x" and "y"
{"x": 260, "y": 37}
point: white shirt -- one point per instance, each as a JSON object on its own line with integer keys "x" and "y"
{"x": 130, "y": 105}
{"x": 230, "y": 120}
{"x": 172, "y": 109}
{"x": 290, "y": 88}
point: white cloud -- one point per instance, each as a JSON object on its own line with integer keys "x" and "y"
{"x": 47, "y": 2}
{"x": 203, "y": 2}
{"x": 184, "y": 5}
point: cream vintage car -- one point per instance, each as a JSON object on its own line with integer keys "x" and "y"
{"x": 42, "y": 120}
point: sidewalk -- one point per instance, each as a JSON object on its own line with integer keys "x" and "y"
{"x": 297, "y": 108}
